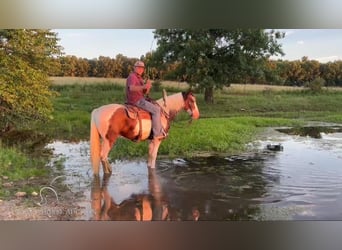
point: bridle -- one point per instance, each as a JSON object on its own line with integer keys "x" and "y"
{"x": 189, "y": 100}
{"x": 189, "y": 106}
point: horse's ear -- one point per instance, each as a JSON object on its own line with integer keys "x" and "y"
{"x": 164, "y": 97}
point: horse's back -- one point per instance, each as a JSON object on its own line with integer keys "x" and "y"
{"x": 101, "y": 115}
{"x": 107, "y": 109}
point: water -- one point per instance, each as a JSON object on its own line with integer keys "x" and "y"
{"x": 301, "y": 182}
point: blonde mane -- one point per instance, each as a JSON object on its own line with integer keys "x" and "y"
{"x": 174, "y": 103}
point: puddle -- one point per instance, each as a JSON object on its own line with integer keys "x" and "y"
{"x": 300, "y": 182}
{"x": 312, "y": 131}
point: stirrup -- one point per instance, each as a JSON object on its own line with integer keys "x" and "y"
{"x": 164, "y": 133}
{"x": 161, "y": 136}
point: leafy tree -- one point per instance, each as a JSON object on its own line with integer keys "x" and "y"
{"x": 123, "y": 65}
{"x": 274, "y": 72}
{"x": 332, "y": 73}
{"x": 311, "y": 69}
{"x": 82, "y": 67}
{"x": 106, "y": 66}
{"x": 26, "y": 57}
{"x": 69, "y": 65}
{"x": 93, "y": 67}
{"x": 212, "y": 58}
{"x": 295, "y": 73}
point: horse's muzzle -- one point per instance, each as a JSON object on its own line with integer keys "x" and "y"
{"x": 195, "y": 115}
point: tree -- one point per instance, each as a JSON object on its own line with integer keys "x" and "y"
{"x": 26, "y": 57}
{"x": 212, "y": 58}
{"x": 69, "y": 65}
{"x": 106, "y": 67}
{"x": 332, "y": 73}
{"x": 295, "y": 73}
{"x": 274, "y": 74}
{"x": 311, "y": 69}
{"x": 82, "y": 67}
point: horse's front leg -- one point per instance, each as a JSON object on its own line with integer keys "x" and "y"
{"x": 152, "y": 152}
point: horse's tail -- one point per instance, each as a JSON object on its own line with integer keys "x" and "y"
{"x": 94, "y": 145}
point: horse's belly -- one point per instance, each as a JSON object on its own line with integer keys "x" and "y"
{"x": 146, "y": 126}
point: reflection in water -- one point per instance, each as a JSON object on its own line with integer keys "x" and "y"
{"x": 146, "y": 206}
{"x": 220, "y": 188}
{"x": 302, "y": 182}
{"x": 312, "y": 131}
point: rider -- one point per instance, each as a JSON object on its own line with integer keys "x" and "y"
{"x": 135, "y": 90}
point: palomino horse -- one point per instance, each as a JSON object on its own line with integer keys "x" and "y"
{"x": 110, "y": 121}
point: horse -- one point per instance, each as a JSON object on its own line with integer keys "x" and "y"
{"x": 151, "y": 205}
{"x": 144, "y": 206}
{"x": 111, "y": 121}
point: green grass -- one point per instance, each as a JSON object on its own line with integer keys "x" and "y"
{"x": 225, "y": 126}
{"x": 220, "y": 135}
{"x": 211, "y": 135}
{"x": 17, "y": 168}
{"x": 294, "y": 104}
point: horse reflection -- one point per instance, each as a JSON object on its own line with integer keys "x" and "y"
{"x": 139, "y": 207}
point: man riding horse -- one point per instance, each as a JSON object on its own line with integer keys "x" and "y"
{"x": 111, "y": 121}
{"x": 135, "y": 95}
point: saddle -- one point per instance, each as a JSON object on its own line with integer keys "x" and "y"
{"x": 140, "y": 114}
{"x": 135, "y": 112}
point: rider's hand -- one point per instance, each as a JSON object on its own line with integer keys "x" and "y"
{"x": 148, "y": 85}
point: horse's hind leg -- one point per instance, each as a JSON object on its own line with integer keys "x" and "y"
{"x": 105, "y": 148}
{"x": 107, "y": 168}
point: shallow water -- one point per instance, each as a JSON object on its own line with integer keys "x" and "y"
{"x": 301, "y": 182}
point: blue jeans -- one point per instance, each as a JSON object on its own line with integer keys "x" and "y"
{"x": 155, "y": 113}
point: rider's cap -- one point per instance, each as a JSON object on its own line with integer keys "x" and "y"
{"x": 139, "y": 64}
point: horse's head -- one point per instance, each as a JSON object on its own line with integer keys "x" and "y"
{"x": 190, "y": 105}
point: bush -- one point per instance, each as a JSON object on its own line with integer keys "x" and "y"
{"x": 156, "y": 85}
{"x": 26, "y": 58}
{"x": 316, "y": 85}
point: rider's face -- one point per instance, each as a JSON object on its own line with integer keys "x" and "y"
{"x": 139, "y": 70}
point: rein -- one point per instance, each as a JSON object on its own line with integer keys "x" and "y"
{"x": 169, "y": 116}
{"x": 172, "y": 117}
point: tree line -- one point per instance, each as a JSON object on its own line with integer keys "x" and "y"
{"x": 103, "y": 66}
{"x": 274, "y": 72}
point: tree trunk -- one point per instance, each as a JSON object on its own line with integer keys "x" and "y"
{"x": 209, "y": 95}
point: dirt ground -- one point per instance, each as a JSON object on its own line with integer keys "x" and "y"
{"x": 12, "y": 210}
{"x": 33, "y": 208}
{"x": 17, "y": 210}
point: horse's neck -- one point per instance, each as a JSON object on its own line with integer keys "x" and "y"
{"x": 174, "y": 103}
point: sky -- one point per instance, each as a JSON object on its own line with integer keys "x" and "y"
{"x": 317, "y": 44}
{"x": 92, "y": 43}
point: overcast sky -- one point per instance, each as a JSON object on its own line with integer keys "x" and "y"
{"x": 319, "y": 44}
